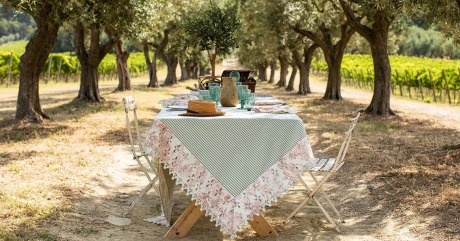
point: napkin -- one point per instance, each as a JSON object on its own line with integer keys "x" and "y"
{"x": 268, "y": 102}
{"x": 118, "y": 221}
{"x": 161, "y": 220}
{"x": 276, "y": 109}
{"x": 185, "y": 97}
{"x": 179, "y": 100}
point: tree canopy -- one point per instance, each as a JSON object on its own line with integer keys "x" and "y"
{"x": 268, "y": 32}
{"x": 445, "y": 14}
{"x": 214, "y": 30}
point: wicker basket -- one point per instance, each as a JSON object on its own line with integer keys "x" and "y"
{"x": 244, "y": 75}
{"x": 251, "y": 86}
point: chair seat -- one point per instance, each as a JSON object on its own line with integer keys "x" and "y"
{"x": 147, "y": 151}
{"x": 324, "y": 164}
{"x": 140, "y": 152}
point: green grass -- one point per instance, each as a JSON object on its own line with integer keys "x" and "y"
{"x": 17, "y": 46}
{"x": 23, "y": 209}
{"x": 29, "y": 235}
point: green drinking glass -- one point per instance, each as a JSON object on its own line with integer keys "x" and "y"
{"x": 242, "y": 94}
{"x": 251, "y": 101}
{"x": 235, "y": 74}
{"x": 214, "y": 92}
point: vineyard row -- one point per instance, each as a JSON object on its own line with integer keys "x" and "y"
{"x": 431, "y": 80}
{"x": 66, "y": 67}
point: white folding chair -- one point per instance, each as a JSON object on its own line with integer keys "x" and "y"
{"x": 140, "y": 153}
{"x": 325, "y": 168}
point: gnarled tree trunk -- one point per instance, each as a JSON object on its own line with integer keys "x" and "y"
{"x": 290, "y": 86}
{"x": 90, "y": 60}
{"x": 152, "y": 66}
{"x": 195, "y": 69}
{"x": 304, "y": 82}
{"x": 153, "y": 79}
{"x": 262, "y": 71}
{"x": 304, "y": 68}
{"x": 32, "y": 61}
{"x": 183, "y": 70}
{"x": 380, "y": 104}
{"x": 212, "y": 59}
{"x": 124, "y": 79}
{"x": 202, "y": 70}
{"x": 189, "y": 67}
{"x": 272, "y": 72}
{"x": 333, "y": 54}
{"x": 284, "y": 65}
{"x": 377, "y": 36}
{"x": 334, "y": 79}
{"x": 171, "y": 63}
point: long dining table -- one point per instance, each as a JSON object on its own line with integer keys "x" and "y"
{"x": 232, "y": 166}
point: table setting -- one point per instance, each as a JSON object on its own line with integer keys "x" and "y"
{"x": 233, "y": 161}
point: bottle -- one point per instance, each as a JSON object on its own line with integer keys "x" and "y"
{"x": 229, "y": 92}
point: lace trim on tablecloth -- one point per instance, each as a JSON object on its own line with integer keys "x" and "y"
{"x": 230, "y": 213}
{"x": 276, "y": 109}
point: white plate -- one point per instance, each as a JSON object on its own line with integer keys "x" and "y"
{"x": 178, "y": 107}
{"x": 263, "y": 102}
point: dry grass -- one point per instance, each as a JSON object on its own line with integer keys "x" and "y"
{"x": 410, "y": 168}
{"x": 406, "y": 171}
{"x": 45, "y": 169}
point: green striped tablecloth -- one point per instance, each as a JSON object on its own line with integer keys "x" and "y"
{"x": 233, "y": 165}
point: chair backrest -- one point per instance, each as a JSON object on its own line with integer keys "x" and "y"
{"x": 131, "y": 110}
{"x": 346, "y": 142}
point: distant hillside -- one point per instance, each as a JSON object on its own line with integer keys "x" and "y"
{"x": 15, "y": 26}
{"x": 18, "y": 46}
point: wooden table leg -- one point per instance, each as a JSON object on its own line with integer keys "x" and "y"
{"x": 262, "y": 227}
{"x": 192, "y": 213}
{"x": 166, "y": 191}
{"x": 185, "y": 221}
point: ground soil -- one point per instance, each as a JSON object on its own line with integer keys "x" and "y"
{"x": 400, "y": 181}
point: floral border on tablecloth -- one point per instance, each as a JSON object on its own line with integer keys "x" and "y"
{"x": 230, "y": 213}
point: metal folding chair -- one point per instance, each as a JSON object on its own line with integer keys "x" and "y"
{"x": 142, "y": 155}
{"x": 325, "y": 168}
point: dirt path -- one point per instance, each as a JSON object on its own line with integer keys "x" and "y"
{"x": 376, "y": 205}
{"x": 315, "y": 227}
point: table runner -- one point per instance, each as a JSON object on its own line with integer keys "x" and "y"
{"x": 233, "y": 165}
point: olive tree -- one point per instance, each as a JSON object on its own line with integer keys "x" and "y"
{"x": 99, "y": 26}
{"x": 259, "y": 39}
{"x": 323, "y": 22}
{"x": 272, "y": 21}
{"x": 127, "y": 21}
{"x": 372, "y": 20}
{"x": 49, "y": 15}
{"x": 214, "y": 30}
{"x": 159, "y": 31}
{"x": 302, "y": 54}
